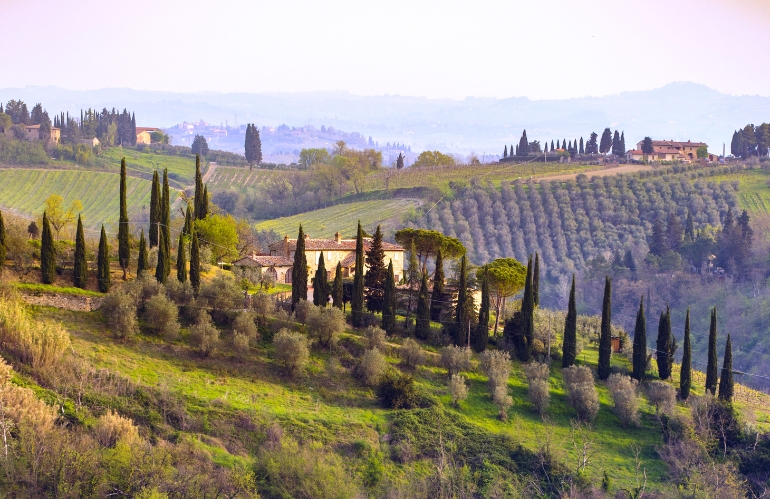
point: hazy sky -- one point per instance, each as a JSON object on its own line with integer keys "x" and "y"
{"x": 448, "y": 48}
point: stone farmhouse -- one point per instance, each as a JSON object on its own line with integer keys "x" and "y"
{"x": 670, "y": 150}
{"x": 143, "y": 134}
{"x": 33, "y": 133}
{"x": 338, "y": 250}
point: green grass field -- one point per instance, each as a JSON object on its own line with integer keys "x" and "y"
{"x": 344, "y": 218}
{"x": 181, "y": 170}
{"x": 24, "y": 192}
{"x": 753, "y": 189}
{"x": 240, "y": 179}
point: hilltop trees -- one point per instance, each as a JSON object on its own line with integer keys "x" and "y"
{"x": 605, "y": 145}
{"x": 200, "y": 146}
{"x": 647, "y": 147}
{"x": 253, "y": 145}
{"x": 592, "y": 146}
{"x": 523, "y": 148}
{"x": 400, "y": 161}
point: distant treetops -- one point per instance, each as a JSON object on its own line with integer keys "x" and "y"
{"x": 614, "y": 144}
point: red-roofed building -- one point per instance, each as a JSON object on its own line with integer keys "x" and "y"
{"x": 670, "y": 150}
{"x": 143, "y": 134}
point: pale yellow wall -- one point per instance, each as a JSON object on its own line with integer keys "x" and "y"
{"x": 143, "y": 138}
{"x": 331, "y": 258}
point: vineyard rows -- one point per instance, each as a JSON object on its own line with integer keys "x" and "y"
{"x": 572, "y": 222}
{"x": 226, "y": 178}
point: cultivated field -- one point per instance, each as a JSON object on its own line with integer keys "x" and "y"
{"x": 235, "y": 178}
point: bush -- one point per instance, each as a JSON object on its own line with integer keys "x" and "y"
{"x": 162, "y": 316}
{"x": 302, "y": 310}
{"x": 325, "y": 325}
{"x": 240, "y": 345}
{"x": 6, "y": 372}
{"x": 458, "y": 390}
{"x": 581, "y": 392}
{"x": 661, "y": 395}
{"x": 222, "y": 293}
{"x": 39, "y": 344}
{"x": 145, "y": 287}
{"x": 112, "y": 428}
{"x": 119, "y": 309}
{"x": 245, "y": 325}
{"x": 291, "y": 350}
{"x": 539, "y": 393}
{"x": 371, "y": 367}
{"x": 375, "y": 337}
{"x": 181, "y": 292}
{"x": 262, "y": 304}
{"x": 204, "y": 335}
{"x": 623, "y": 390}
{"x": 411, "y": 353}
{"x": 27, "y": 412}
{"x": 496, "y": 364}
{"x": 455, "y": 359}
{"x": 502, "y": 400}
{"x": 536, "y": 371}
{"x": 397, "y": 391}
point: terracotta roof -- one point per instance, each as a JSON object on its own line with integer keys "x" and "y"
{"x": 141, "y": 129}
{"x": 349, "y": 260}
{"x": 666, "y": 150}
{"x": 675, "y": 144}
{"x": 332, "y": 245}
{"x": 263, "y": 261}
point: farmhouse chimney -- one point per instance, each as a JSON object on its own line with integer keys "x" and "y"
{"x": 337, "y": 237}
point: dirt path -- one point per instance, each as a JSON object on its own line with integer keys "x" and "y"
{"x": 209, "y": 172}
{"x": 613, "y": 170}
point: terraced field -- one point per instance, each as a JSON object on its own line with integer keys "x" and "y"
{"x": 181, "y": 170}
{"x": 240, "y": 179}
{"x": 344, "y": 217}
{"x": 24, "y": 192}
{"x": 753, "y": 189}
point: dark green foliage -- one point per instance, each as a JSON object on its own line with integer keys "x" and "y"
{"x": 357, "y": 300}
{"x": 155, "y": 195}
{"x": 200, "y": 146}
{"x": 659, "y": 242}
{"x": 422, "y": 320}
{"x": 647, "y": 147}
{"x": 188, "y": 221}
{"x": 569, "y": 347}
{"x": 605, "y": 339}
{"x": 124, "y": 247}
{"x": 536, "y": 281}
{"x": 689, "y": 229}
{"x": 376, "y": 274}
{"x": 80, "y": 272}
{"x": 400, "y": 161}
{"x": 321, "y": 284}
{"x": 163, "y": 259}
{"x": 685, "y": 374}
{"x": 142, "y": 264}
{"x": 726, "y": 386}
{"x": 397, "y": 391}
{"x": 605, "y": 144}
{"x": 47, "y": 253}
{"x": 617, "y": 148}
{"x": 253, "y": 145}
{"x": 181, "y": 260}
{"x": 665, "y": 345}
{"x": 3, "y": 247}
{"x": 389, "y": 302}
{"x": 337, "y": 288}
{"x": 437, "y": 297}
{"x": 198, "y": 199}
{"x": 165, "y": 220}
{"x": 461, "y": 321}
{"x": 527, "y": 334}
{"x": 623, "y": 142}
{"x": 628, "y": 261}
{"x": 674, "y": 232}
{"x": 581, "y": 150}
{"x": 103, "y": 263}
{"x": 195, "y": 263}
{"x": 205, "y": 201}
{"x": 640, "y": 344}
{"x": 299, "y": 271}
{"x": 711, "y": 366}
{"x": 523, "y": 148}
{"x": 592, "y": 147}
{"x": 480, "y": 338}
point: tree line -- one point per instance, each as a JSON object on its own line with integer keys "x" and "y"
{"x": 608, "y": 144}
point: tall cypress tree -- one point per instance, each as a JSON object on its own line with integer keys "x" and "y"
{"x": 337, "y": 287}
{"x": 376, "y": 273}
{"x": 481, "y": 336}
{"x": 47, "y": 253}
{"x": 80, "y": 279}
{"x": 3, "y": 247}
{"x": 142, "y": 263}
{"x": 205, "y": 201}
{"x": 437, "y": 297}
{"x": 103, "y": 263}
{"x": 181, "y": 260}
{"x": 199, "y": 215}
{"x": 163, "y": 259}
{"x": 640, "y": 344}
{"x": 461, "y": 316}
{"x": 711, "y": 366}
{"x": 605, "y": 340}
{"x": 389, "y": 305}
{"x": 536, "y": 281}
{"x": 422, "y": 322}
{"x": 569, "y": 345}
{"x": 666, "y": 346}
{"x": 188, "y": 222}
{"x": 195, "y": 264}
{"x": 357, "y": 300}
{"x": 685, "y": 375}
{"x": 321, "y": 284}
{"x": 165, "y": 218}
{"x": 527, "y": 333}
{"x": 124, "y": 248}
{"x": 726, "y": 386}
{"x": 299, "y": 271}
{"x": 154, "y": 209}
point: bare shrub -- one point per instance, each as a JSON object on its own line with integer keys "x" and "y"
{"x": 302, "y": 310}
{"x": 245, "y": 325}
{"x": 411, "y": 353}
{"x": 581, "y": 392}
{"x": 536, "y": 370}
{"x": 661, "y": 395}
{"x": 37, "y": 343}
{"x": 6, "y": 372}
{"x": 25, "y": 410}
{"x": 119, "y": 308}
{"x": 325, "y": 325}
{"x": 455, "y": 359}
{"x": 623, "y": 390}
{"x": 223, "y": 293}
{"x": 496, "y": 364}
{"x": 458, "y": 390}
{"x": 291, "y": 350}
{"x": 502, "y": 400}
{"x": 262, "y": 304}
{"x": 240, "y": 345}
{"x": 539, "y": 393}
{"x": 204, "y": 335}
{"x": 371, "y": 367}
{"x": 111, "y": 428}
{"x": 375, "y": 337}
{"x": 162, "y": 316}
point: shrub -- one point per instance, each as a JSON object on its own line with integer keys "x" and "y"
{"x": 291, "y": 350}
{"x": 325, "y": 325}
{"x": 539, "y": 393}
{"x": 302, "y": 310}
{"x": 581, "y": 392}
{"x": 502, "y": 400}
{"x": 535, "y": 370}
{"x": 396, "y": 390}
{"x": 36, "y": 343}
{"x": 458, "y": 390}
{"x": 240, "y": 345}
{"x": 371, "y": 367}
{"x": 222, "y": 293}
{"x": 162, "y": 316}
{"x": 28, "y": 412}
{"x": 375, "y": 337}
{"x": 496, "y": 364}
{"x": 411, "y": 353}
{"x": 112, "y": 428}
{"x": 623, "y": 390}
{"x": 455, "y": 359}
{"x": 145, "y": 287}
{"x": 661, "y": 395}
{"x": 6, "y": 372}
{"x": 119, "y": 308}
{"x": 181, "y": 292}
{"x": 245, "y": 325}
{"x": 204, "y": 335}
{"x": 262, "y": 304}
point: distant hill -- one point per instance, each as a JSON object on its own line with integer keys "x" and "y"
{"x": 676, "y": 111}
